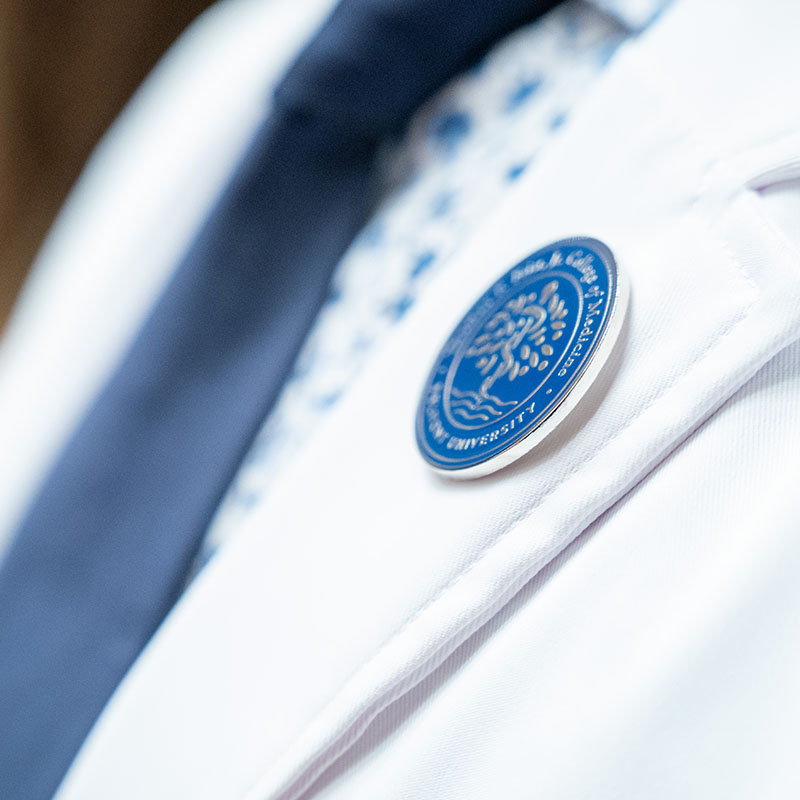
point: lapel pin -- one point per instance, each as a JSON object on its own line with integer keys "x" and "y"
{"x": 521, "y": 358}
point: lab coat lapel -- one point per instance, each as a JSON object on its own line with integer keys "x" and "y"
{"x": 362, "y": 571}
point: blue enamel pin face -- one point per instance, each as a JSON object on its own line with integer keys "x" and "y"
{"x": 521, "y": 358}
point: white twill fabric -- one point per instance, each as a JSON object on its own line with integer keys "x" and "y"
{"x": 616, "y": 615}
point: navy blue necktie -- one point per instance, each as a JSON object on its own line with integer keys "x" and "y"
{"x": 104, "y": 551}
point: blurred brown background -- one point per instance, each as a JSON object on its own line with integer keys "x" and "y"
{"x": 67, "y": 67}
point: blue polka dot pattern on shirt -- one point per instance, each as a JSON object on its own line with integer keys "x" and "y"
{"x": 451, "y": 130}
{"x": 423, "y": 263}
{"x": 515, "y": 170}
{"x": 522, "y": 93}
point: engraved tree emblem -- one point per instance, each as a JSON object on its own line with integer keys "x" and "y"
{"x": 515, "y": 340}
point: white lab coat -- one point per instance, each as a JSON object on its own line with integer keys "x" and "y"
{"x": 615, "y": 615}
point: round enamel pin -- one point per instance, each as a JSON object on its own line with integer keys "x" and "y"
{"x": 521, "y": 358}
